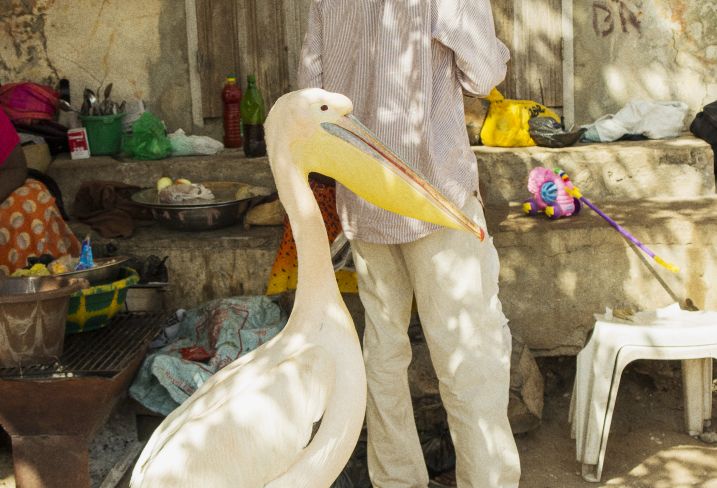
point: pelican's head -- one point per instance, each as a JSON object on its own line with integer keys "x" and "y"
{"x": 322, "y": 136}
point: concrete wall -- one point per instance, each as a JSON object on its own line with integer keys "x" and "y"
{"x": 650, "y": 49}
{"x": 138, "y": 45}
{"x": 624, "y": 49}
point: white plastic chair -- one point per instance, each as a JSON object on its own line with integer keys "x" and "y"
{"x": 669, "y": 333}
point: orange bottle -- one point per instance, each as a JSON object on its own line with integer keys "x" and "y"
{"x": 231, "y": 96}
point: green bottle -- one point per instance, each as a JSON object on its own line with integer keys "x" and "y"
{"x": 253, "y": 114}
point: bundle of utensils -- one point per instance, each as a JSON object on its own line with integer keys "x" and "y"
{"x": 91, "y": 104}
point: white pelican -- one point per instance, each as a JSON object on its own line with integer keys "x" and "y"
{"x": 251, "y": 424}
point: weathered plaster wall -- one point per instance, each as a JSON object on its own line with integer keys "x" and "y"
{"x": 624, "y": 49}
{"x": 650, "y": 49}
{"x": 138, "y": 45}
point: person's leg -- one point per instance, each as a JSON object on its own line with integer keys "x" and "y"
{"x": 395, "y": 458}
{"x": 455, "y": 277}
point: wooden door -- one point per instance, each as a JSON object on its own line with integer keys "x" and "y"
{"x": 264, "y": 37}
{"x": 532, "y": 30}
{"x": 242, "y": 37}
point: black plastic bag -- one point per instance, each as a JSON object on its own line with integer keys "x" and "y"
{"x": 705, "y": 124}
{"x": 547, "y": 132}
{"x": 705, "y": 127}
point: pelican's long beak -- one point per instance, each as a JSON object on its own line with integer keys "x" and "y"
{"x": 348, "y": 151}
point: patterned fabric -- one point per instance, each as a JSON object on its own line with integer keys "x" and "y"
{"x": 285, "y": 271}
{"x": 209, "y": 337}
{"x": 31, "y": 225}
{"x": 405, "y": 66}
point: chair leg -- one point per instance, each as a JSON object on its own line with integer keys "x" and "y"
{"x": 696, "y": 385}
{"x": 605, "y": 377}
{"x": 571, "y": 410}
{"x": 621, "y": 362}
{"x": 582, "y": 392}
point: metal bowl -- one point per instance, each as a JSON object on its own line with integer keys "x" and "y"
{"x": 30, "y": 288}
{"x": 33, "y": 312}
{"x": 105, "y": 270}
{"x": 225, "y": 210}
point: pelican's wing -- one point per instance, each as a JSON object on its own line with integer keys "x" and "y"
{"x": 256, "y": 414}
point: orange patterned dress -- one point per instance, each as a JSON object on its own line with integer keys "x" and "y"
{"x": 285, "y": 270}
{"x": 31, "y": 225}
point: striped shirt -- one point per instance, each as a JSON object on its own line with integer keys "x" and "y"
{"x": 405, "y": 64}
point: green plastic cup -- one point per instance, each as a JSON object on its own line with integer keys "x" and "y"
{"x": 104, "y": 133}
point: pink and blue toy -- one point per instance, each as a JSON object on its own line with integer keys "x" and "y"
{"x": 550, "y": 195}
{"x": 556, "y": 196}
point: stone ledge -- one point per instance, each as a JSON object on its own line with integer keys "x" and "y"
{"x": 229, "y": 165}
{"x": 627, "y": 170}
{"x": 675, "y": 168}
{"x": 554, "y": 274}
{"x": 203, "y": 265}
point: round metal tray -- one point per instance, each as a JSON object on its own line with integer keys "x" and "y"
{"x": 104, "y": 271}
{"x": 200, "y": 215}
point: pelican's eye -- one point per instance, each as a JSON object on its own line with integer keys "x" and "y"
{"x": 324, "y": 108}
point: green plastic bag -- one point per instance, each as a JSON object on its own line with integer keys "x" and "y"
{"x": 148, "y": 140}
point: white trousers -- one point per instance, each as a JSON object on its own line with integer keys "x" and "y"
{"x": 454, "y": 277}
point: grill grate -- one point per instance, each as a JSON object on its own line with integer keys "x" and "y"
{"x": 103, "y": 352}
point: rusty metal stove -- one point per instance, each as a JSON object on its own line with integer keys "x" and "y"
{"x": 53, "y": 412}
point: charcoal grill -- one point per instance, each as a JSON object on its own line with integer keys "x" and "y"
{"x": 52, "y": 412}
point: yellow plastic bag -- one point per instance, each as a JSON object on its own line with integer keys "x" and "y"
{"x": 506, "y": 124}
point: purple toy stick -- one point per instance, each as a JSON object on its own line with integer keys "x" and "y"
{"x": 575, "y": 192}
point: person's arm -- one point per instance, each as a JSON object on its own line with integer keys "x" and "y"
{"x": 310, "y": 67}
{"x": 13, "y": 167}
{"x": 466, "y": 27}
{"x": 13, "y": 172}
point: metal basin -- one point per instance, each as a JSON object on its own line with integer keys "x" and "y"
{"x": 105, "y": 270}
{"x": 33, "y": 288}
{"x": 225, "y": 210}
{"x": 33, "y": 312}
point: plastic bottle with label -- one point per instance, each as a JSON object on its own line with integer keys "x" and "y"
{"x": 253, "y": 115}
{"x": 232, "y": 98}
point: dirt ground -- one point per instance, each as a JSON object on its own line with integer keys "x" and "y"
{"x": 646, "y": 448}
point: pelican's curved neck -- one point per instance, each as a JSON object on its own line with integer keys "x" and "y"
{"x": 316, "y": 276}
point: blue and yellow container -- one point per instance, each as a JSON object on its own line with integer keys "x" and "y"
{"x": 94, "y": 307}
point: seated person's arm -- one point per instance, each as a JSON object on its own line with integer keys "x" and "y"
{"x": 12, "y": 172}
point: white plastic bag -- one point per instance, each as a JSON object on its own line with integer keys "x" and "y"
{"x": 654, "y": 120}
{"x": 134, "y": 108}
{"x": 184, "y": 145}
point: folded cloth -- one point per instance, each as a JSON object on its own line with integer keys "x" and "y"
{"x": 654, "y": 120}
{"x": 106, "y": 206}
{"x": 207, "y": 339}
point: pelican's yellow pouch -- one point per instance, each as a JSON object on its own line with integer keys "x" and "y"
{"x": 506, "y": 124}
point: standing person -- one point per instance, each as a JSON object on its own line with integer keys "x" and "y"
{"x": 405, "y": 65}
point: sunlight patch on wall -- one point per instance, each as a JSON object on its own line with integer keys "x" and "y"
{"x": 568, "y": 283}
{"x": 656, "y": 82}
{"x": 615, "y": 81}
